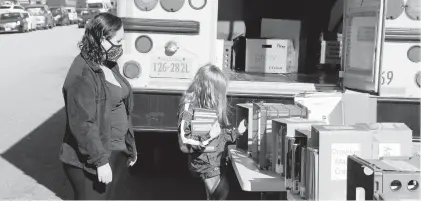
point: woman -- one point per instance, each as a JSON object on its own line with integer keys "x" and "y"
{"x": 98, "y": 101}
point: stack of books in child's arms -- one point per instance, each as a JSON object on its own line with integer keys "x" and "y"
{"x": 203, "y": 120}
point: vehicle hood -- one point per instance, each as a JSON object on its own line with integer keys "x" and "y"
{"x": 8, "y": 20}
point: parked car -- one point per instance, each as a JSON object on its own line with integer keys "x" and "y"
{"x": 43, "y": 16}
{"x": 79, "y": 11}
{"x": 10, "y": 8}
{"x": 85, "y": 16}
{"x": 32, "y": 21}
{"x": 61, "y": 16}
{"x": 13, "y": 22}
{"x": 72, "y": 14}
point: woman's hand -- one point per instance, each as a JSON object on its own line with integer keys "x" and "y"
{"x": 132, "y": 160}
{"x": 105, "y": 174}
{"x": 242, "y": 127}
{"x": 215, "y": 130}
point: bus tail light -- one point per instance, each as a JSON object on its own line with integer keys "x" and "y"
{"x": 143, "y": 44}
{"x": 132, "y": 69}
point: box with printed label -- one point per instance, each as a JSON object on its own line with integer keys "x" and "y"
{"x": 281, "y": 128}
{"x": 390, "y": 139}
{"x": 369, "y": 141}
{"x": 335, "y": 144}
{"x": 283, "y": 28}
{"x": 269, "y": 55}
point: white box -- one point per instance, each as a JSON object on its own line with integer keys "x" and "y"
{"x": 269, "y": 55}
{"x": 339, "y": 108}
{"x": 284, "y": 29}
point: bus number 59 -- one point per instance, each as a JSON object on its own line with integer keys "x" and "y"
{"x": 387, "y": 77}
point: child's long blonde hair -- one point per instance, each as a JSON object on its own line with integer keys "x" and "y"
{"x": 209, "y": 90}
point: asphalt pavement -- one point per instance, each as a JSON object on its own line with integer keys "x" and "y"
{"x": 32, "y": 118}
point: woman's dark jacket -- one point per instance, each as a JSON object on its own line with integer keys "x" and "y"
{"x": 86, "y": 143}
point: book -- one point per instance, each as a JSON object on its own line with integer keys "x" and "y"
{"x": 200, "y": 113}
{"x": 203, "y": 120}
{"x": 202, "y": 125}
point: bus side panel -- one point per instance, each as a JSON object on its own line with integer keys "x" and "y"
{"x": 158, "y": 111}
{"x": 405, "y": 112}
{"x": 155, "y": 111}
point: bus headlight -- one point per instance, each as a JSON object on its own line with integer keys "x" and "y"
{"x": 132, "y": 69}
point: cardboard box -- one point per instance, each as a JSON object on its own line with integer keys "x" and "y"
{"x": 263, "y": 114}
{"x": 293, "y": 162}
{"x": 330, "y": 52}
{"x": 303, "y": 163}
{"x": 339, "y": 108}
{"x": 269, "y": 55}
{"x": 285, "y": 29}
{"x": 390, "y": 139}
{"x": 245, "y": 111}
{"x": 416, "y": 146}
{"x": 335, "y": 144}
{"x": 281, "y": 128}
{"x": 368, "y": 141}
{"x": 312, "y": 174}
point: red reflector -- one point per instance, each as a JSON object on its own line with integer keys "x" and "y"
{"x": 143, "y": 44}
{"x": 414, "y": 54}
{"x": 131, "y": 69}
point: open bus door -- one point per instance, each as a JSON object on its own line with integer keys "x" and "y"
{"x": 369, "y": 38}
{"x": 362, "y": 45}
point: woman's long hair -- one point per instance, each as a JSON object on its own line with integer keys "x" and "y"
{"x": 102, "y": 25}
{"x": 209, "y": 90}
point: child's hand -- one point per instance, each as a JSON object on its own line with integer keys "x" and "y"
{"x": 215, "y": 130}
{"x": 242, "y": 127}
{"x": 205, "y": 143}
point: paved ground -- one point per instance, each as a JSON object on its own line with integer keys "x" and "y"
{"x": 33, "y": 68}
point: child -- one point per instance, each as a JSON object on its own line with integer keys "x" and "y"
{"x": 208, "y": 90}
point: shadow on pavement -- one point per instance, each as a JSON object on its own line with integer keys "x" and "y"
{"x": 37, "y": 155}
{"x": 161, "y": 172}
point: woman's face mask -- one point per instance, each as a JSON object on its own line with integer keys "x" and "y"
{"x": 114, "y": 52}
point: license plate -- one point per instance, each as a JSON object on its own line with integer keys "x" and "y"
{"x": 170, "y": 68}
{"x": 7, "y": 29}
